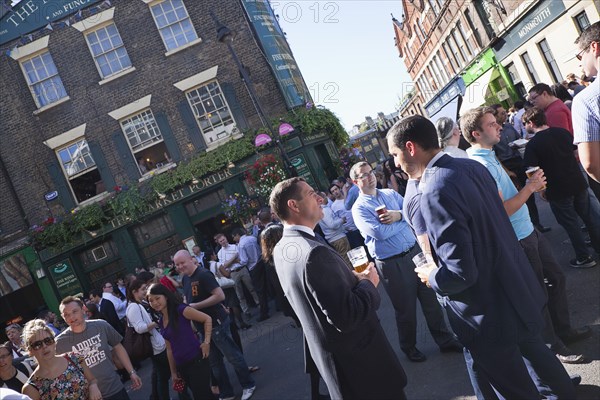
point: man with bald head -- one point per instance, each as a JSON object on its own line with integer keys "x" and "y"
{"x": 203, "y": 293}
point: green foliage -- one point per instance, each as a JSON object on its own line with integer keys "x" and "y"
{"x": 134, "y": 203}
{"x": 316, "y": 120}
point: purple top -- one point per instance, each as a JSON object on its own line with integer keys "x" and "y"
{"x": 184, "y": 342}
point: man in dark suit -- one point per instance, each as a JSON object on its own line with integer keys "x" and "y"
{"x": 336, "y": 306}
{"x": 494, "y": 302}
{"x": 107, "y": 309}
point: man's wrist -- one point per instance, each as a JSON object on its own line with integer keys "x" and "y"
{"x": 133, "y": 371}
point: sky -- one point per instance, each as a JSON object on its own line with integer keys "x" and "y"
{"x": 345, "y": 51}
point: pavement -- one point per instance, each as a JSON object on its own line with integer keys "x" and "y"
{"x": 276, "y": 345}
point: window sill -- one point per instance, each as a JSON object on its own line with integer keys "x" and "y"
{"x": 157, "y": 171}
{"x": 51, "y": 105}
{"x": 185, "y": 46}
{"x": 93, "y": 200}
{"x": 116, "y": 76}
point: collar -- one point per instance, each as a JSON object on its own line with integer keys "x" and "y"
{"x": 473, "y": 151}
{"x": 299, "y": 228}
{"x": 434, "y": 159}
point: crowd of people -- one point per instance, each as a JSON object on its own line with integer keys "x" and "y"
{"x": 461, "y": 192}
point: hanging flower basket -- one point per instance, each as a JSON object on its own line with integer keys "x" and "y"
{"x": 266, "y": 172}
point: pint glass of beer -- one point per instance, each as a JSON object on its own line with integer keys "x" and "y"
{"x": 358, "y": 258}
{"x": 530, "y": 171}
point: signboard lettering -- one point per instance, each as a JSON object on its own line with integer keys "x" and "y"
{"x": 303, "y": 170}
{"x": 65, "y": 279}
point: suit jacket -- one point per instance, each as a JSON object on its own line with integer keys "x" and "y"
{"x": 109, "y": 314}
{"x": 338, "y": 317}
{"x": 493, "y": 294}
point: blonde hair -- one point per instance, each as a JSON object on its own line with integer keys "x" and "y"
{"x": 32, "y": 328}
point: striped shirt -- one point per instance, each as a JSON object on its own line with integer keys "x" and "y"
{"x": 586, "y": 114}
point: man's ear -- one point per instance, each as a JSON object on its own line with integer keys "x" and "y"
{"x": 476, "y": 135}
{"x": 410, "y": 147}
{"x": 292, "y": 205}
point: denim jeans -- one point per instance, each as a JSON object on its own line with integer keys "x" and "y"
{"x": 585, "y": 205}
{"x": 222, "y": 344}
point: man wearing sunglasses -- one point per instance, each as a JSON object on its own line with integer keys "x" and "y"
{"x": 586, "y": 107}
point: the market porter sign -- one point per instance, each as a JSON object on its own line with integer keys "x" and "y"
{"x": 30, "y": 15}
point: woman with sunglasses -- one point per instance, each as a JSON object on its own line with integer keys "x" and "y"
{"x": 188, "y": 358}
{"x": 57, "y": 377}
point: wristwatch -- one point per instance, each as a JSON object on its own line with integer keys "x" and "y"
{"x": 133, "y": 371}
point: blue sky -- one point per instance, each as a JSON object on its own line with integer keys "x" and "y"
{"x": 345, "y": 50}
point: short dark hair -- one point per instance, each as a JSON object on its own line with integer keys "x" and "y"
{"x": 282, "y": 192}
{"x": 535, "y": 115}
{"x": 331, "y": 186}
{"x": 540, "y": 88}
{"x": 265, "y": 216}
{"x": 416, "y": 129}
{"x": 572, "y": 84}
{"x": 471, "y": 121}
{"x": 589, "y": 35}
{"x": 495, "y": 107}
{"x": 561, "y": 92}
{"x": 71, "y": 299}
{"x": 43, "y": 314}
{"x": 96, "y": 292}
{"x": 519, "y": 104}
{"x": 238, "y": 231}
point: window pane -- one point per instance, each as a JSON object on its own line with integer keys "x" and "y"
{"x": 141, "y": 130}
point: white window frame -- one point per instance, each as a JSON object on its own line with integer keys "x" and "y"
{"x": 28, "y": 54}
{"x": 105, "y": 54}
{"x": 87, "y": 169}
{"x": 93, "y": 25}
{"x": 224, "y": 128}
{"x": 150, "y": 142}
{"x": 179, "y": 22}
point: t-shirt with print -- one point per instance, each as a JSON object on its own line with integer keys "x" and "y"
{"x": 95, "y": 344}
{"x": 198, "y": 287}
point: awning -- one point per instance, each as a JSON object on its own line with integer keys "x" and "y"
{"x": 478, "y": 91}
{"x": 450, "y": 110}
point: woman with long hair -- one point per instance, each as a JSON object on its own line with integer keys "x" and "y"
{"x": 56, "y": 377}
{"x": 188, "y": 358}
{"x": 139, "y": 319}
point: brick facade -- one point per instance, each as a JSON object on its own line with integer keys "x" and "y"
{"x": 25, "y": 156}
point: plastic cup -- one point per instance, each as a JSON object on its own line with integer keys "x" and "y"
{"x": 358, "y": 258}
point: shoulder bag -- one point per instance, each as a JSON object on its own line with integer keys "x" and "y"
{"x": 137, "y": 345}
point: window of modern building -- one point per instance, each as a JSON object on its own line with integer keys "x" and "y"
{"x": 450, "y": 57}
{"x": 419, "y": 35}
{"x": 461, "y": 45}
{"x": 463, "y": 36}
{"x": 173, "y": 23}
{"x": 516, "y": 78}
{"x": 145, "y": 141}
{"x": 473, "y": 28}
{"x": 441, "y": 67}
{"x": 211, "y": 112}
{"x": 581, "y": 21}
{"x": 43, "y": 79}
{"x": 434, "y": 4}
{"x": 80, "y": 169}
{"x": 550, "y": 61}
{"x": 108, "y": 50}
{"x": 530, "y": 68}
{"x": 461, "y": 61}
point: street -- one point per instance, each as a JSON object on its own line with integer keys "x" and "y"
{"x": 276, "y": 346}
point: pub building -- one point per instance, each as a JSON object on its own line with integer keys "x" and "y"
{"x": 101, "y": 97}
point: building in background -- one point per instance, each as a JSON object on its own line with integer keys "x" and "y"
{"x": 463, "y": 54}
{"x": 101, "y": 96}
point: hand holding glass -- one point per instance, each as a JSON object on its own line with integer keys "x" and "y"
{"x": 358, "y": 258}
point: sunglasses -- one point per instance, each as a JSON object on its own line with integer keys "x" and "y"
{"x": 41, "y": 343}
{"x": 579, "y": 55}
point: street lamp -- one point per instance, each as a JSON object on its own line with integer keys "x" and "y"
{"x": 225, "y": 35}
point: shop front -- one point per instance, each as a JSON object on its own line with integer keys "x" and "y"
{"x": 447, "y": 102}
{"x": 190, "y": 215}
{"x": 487, "y": 82}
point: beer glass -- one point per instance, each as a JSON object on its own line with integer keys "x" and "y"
{"x": 358, "y": 258}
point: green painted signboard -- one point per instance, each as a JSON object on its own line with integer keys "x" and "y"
{"x": 303, "y": 170}
{"x": 31, "y": 15}
{"x": 479, "y": 67}
{"x": 65, "y": 279}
